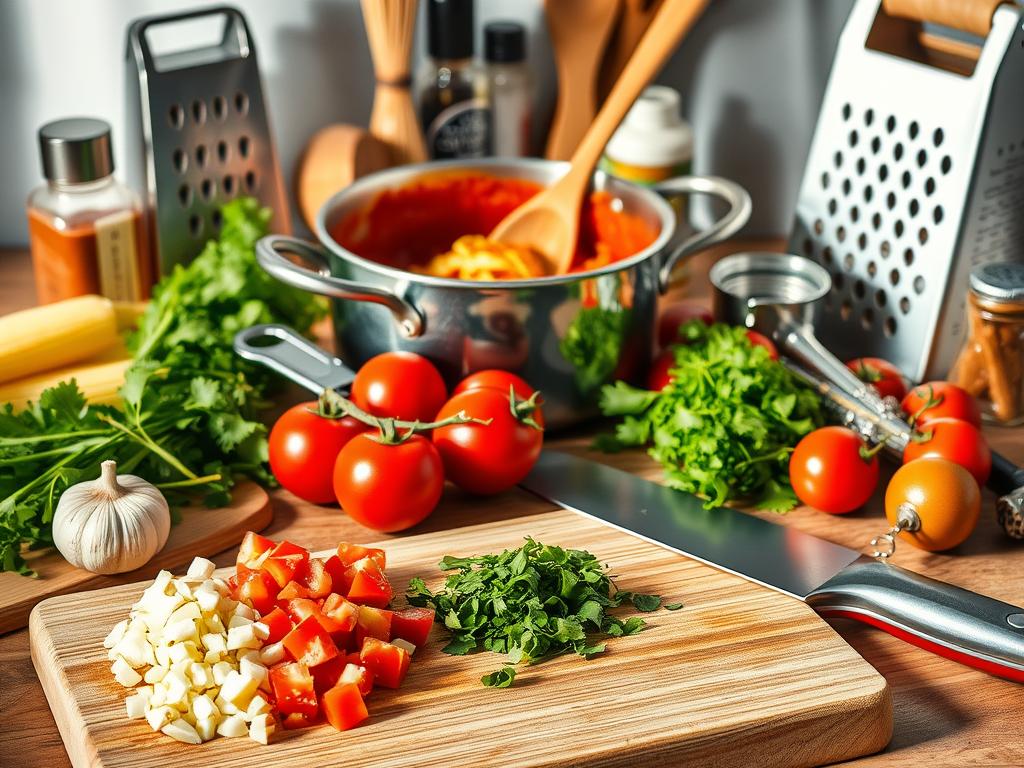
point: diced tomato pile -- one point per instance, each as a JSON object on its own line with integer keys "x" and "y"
{"x": 331, "y": 632}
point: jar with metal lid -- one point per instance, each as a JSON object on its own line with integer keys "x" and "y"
{"x": 991, "y": 364}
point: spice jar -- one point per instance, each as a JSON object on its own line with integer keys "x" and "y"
{"x": 991, "y": 364}
{"x": 85, "y": 228}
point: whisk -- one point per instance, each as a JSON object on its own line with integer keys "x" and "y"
{"x": 390, "y": 25}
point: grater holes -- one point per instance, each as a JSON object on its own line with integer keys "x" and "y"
{"x": 841, "y": 233}
{"x": 201, "y": 155}
{"x": 867, "y": 318}
{"x": 890, "y": 124}
{"x": 195, "y": 226}
{"x": 827, "y": 256}
{"x": 881, "y": 298}
{"x": 869, "y": 116}
{"x": 885, "y": 249}
{"x": 847, "y": 111}
{"x": 937, "y": 214}
{"x": 905, "y": 305}
{"x": 853, "y": 138}
{"x": 908, "y": 257}
{"x": 876, "y": 221}
{"x": 894, "y": 277}
{"x": 199, "y": 111}
{"x": 876, "y": 145}
{"x": 242, "y": 103}
{"x": 862, "y": 241}
{"x": 929, "y": 186}
{"x": 846, "y": 309}
{"x": 937, "y": 137}
{"x": 179, "y": 158}
{"x": 848, "y": 262}
{"x": 872, "y": 269}
{"x": 897, "y": 151}
{"x": 847, "y": 186}
{"x": 898, "y": 227}
{"x": 914, "y": 207}
{"x": 216, "y": 220}
{"x": 859, "y": 289}
{"x": 861, "y": 165}
{"x": 220, "y": 107}
{"x": 250, "y": 181}
{"x": 869, "y": 192}
{"x": 919, "y": 285}
{"x": 185, "y": 195}
{"x": 922, "y": 158}
{"x": 222, "y": 151}
{"x": 854, "y": 214}
{"x": 883, "y": 172}
{"x": 833, "y": 206}
{"x": 176, "y": 117}
{"x": 819, "y": 225}
{"x": 837, "y": 159}
{"x": 839, "y": 280}
{"x": 825, "y": 180}
{"x": 905, "y": 179}
{"x": 946, "y": 164}
{"x": 922, "y": 235}
{"x": 889, "y": 327}
{"x": 228, "y": 185}
{"x": 207, "y": 189}
{"x": 913, "y": 129}
{"x": 244, "y": 146}
{"x": 890, "y": 201}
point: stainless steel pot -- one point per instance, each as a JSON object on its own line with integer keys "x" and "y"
{"x": 565, "y": 334}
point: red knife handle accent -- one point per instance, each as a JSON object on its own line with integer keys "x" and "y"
{"x": 956, "y": 623}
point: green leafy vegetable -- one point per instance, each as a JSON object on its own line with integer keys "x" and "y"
{"x": 530, "y": 603}
{"x": 188, "y": 421}
{"x": 673, "y": 606}
{"x": 726, "y": 424}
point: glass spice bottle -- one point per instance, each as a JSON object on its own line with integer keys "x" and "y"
{"x": 85, "y": 228}
{"x": 991, "y": 364}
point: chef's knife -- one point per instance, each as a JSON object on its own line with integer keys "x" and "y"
{"x": 833, "y": 580}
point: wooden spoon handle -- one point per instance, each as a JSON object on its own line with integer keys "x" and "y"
{"x": 674, "y": 19}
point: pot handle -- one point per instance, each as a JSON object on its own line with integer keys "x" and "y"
{"x": 738, "y": 214}
{"x": 269, "y": 252}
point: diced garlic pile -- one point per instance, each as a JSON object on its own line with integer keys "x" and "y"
{"x": 197, "y": 653}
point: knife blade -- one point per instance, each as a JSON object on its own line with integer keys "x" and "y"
{"x": 833, "y": 580}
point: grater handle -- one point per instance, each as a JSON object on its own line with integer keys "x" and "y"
{"x": 236, "y": 39}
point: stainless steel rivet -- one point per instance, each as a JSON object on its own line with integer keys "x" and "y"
{"x": 1016, "y": 620}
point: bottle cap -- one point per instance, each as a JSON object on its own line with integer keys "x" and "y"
{"x": 76, "y": 150}
{"x": 654, "y": 133}
{"x": 999, "y": 281}
{"x": 504, "y": 42}
{"x": 450, "y": 29}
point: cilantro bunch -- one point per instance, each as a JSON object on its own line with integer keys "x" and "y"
{"x": 725, "y": 426}
{"x": 530, "y": 603}
{"x": 189, "y": 420}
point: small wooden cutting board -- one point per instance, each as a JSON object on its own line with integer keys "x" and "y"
{"x": 741, "y": 676}
{"x": 200, "y": 531}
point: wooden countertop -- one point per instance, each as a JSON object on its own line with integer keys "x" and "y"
{"x": 945, "y": 714}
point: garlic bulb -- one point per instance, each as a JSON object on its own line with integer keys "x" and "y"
{"x": 113, "y": 524}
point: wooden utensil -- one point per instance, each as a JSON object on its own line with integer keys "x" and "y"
{"x": 741, "y": 676}
{"x": 549, "y": 221}
{"x": 390, "y": 27}
{"x": 201, "y": 531}
{"x": 579, "y": 30}
{"x": 633, "y": 20}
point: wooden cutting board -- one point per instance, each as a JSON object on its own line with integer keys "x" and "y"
{"x": 741, "y": 676}
{"x": 200, "y": 531}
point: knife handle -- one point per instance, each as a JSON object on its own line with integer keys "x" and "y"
{"x": 961, "y": 625}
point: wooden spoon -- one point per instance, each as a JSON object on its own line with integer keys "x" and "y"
{"x": 550, "y": 221}
{"x": 634, "y": 19}
{"x": 579, "y": 30}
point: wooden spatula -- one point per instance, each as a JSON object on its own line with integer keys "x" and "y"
{"x": 549, "y": 222}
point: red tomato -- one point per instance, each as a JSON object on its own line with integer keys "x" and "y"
{"x": 342, "y": 615}
{"x": 373, "y": 622}
{"x": 883, "y": 376}
{"x": 309, "y": 643}
{"x": 368, "y": 585}
{"x": 400, "y": 385}
{"x": 388, "y": 487}
{"x": 326, "y": 675}
{"x": 358, "y": 675}
{"x": 258, "y": 590}
{"x": 294, "y": 720}
{"x": 350, "y": 553}
{"x": 387, "y": 662}
{"x": 674, "y": 315}
{"x": 284, "y": 561}
{"x": 495, "y": 379}
{"x": 292, "y": 591}
{"x": 659, "y": 377}
{"x": 941, "y": 400}
{"x": 412, "y": 625}
{"x": 760, "y": 340}
{"x": 278, "y": 623}
{"x": 828, "y": 472}
{"x": 953, "y": 440}
{"x": 344, "y": 707}
{"x": 315, "y": 579}
{"x": 486, "y": 458}
{"x": 252, "y": 546}
{"x": 302, "y": 448}
{"x": 293, "y": 689}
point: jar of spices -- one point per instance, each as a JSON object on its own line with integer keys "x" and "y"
{"x": 991, "y": 364}
{"x": 85, "y": 228}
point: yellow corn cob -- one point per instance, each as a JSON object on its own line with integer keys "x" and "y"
{"x": 98, "y": 381}
{"x": 55, "y": 335}
{"x": 128, "y": 313}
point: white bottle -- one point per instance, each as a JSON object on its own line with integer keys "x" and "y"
{"x": 654, "y": 142}
{"x": 511, "y": 89}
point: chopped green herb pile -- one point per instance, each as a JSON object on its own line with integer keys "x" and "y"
{"x": 725, "y": 426}
{"x": 188, "y": 421}
{"x": 530, "y": 603}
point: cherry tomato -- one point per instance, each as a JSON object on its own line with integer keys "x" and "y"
{"x": 486, "y": 458}
{"x": 659, "y": 376}
{"x": 941, "y": 400}
{"x": 400, "y": 385}
{"x": 885, "y": 377}
{"x": 303, "y": 447}
{"x": 944, "y": 496}
{"x": 388, "y": 487}
{"x": 674, "y": 315}
{"x": 828, "y": 472}
{"x": 495, "y": 379}
{"x": 760, "y": 340}
{"x": 956, "y": 441}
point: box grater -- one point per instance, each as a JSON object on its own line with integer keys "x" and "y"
{"x": 198, "y": 133}
{"x": 915, "y": 174}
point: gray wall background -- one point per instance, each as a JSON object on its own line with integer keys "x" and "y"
{"x": 752, "y": 74}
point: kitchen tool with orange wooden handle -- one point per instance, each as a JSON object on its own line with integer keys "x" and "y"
{"x": 974, "y": 16}
{"x": 579, "y": 30}
{"x": 549, "y": 222}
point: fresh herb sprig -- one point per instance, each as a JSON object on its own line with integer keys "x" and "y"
{"x": 530, "y": 603}
{"x": 725, "y": 426}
